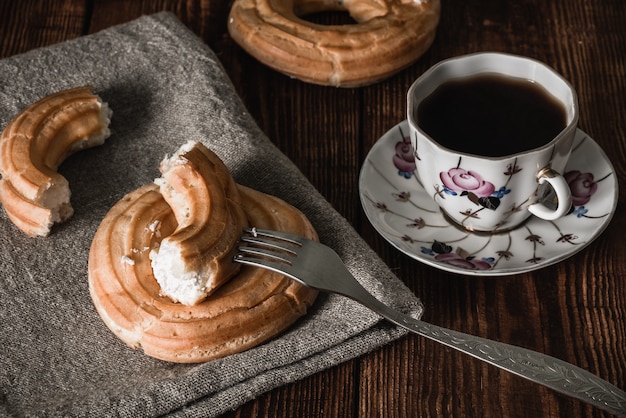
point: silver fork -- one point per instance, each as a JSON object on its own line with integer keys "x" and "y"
{"x": 318, "y": 266}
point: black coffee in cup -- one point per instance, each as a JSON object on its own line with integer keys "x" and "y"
{"x": 491, "y": 115}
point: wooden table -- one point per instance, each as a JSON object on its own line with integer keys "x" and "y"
{"x": 574, "y": 310}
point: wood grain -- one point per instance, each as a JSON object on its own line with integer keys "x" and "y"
{"x": 575, "y": 310}
{"x": 31, "y": 24}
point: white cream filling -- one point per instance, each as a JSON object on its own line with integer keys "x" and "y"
{"x": 180, "y": 284}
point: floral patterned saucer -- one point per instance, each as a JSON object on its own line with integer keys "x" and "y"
{"x": 405, "y": 215}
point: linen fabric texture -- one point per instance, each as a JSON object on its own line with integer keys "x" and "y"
{"x": 165, "y": 87}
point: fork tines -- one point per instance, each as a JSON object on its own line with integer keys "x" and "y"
{"x": 269, "y": 245}
{"x": 274, "y": 235}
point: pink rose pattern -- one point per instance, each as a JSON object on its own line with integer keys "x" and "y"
{"x": 404, "y": 157}
{"x": 443, "y": 253}
{"x": 581, "y": 185}
{"x": 460, "y": 180}
{"x": 469, "y": 263}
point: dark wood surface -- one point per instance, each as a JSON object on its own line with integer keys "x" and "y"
{"x": 574, "y": 310}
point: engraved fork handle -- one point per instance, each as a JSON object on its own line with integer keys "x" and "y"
{"x": 551, "y": 372}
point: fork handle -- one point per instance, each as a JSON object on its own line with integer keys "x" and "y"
{"x": 540, "y": 368}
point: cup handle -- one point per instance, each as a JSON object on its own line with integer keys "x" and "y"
{"x": 563, "y": 196}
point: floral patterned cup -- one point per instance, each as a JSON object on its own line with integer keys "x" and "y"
{"x": 493, "y": 194}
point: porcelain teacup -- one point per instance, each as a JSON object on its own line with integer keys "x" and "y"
{"x": 494, "y": 193}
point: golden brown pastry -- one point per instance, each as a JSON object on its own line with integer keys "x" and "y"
{"x": 196, "y": 258}
{"x": 34, "y": 144}
{"x": 251, "y": 307}
{"x": 389, "y": 35}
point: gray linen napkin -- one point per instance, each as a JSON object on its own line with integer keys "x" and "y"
{"x": 165, "y": 87}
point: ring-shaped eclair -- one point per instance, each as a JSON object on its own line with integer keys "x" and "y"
{"x": 252, "y": 307}
{"x": 34, "y": 144}
{"x": 387, "y": 37}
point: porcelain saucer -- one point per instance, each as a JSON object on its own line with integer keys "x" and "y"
{"x": 405, "y": 215}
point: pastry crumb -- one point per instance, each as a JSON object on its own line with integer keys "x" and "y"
{"x": 127, "y": 260}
